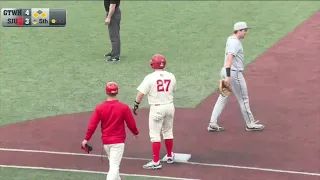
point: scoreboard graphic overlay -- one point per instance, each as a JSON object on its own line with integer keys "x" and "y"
{"x": 33, "y": 17}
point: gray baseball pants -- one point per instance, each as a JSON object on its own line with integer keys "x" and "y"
{"x": 114, "y": 33}
{"x": 239, "y": 89}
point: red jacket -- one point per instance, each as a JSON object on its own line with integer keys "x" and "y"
{"x": 113, "y": 115}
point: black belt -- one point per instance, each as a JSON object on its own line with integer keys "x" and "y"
{"x": 236, "y": 70}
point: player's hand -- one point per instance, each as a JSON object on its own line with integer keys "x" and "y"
{"x": 107, "y": 21}
{"x": 136, "y": 136}
{"x": 84, "y": 146}
{"x": 135, "y": 107}
{"x": 84, "y": 142}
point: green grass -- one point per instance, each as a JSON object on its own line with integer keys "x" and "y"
{"x": 28, "y": 174}
{"x": 50, "y": 71}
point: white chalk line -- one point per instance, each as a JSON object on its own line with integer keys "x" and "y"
{"x": 191, "y": 163}
{"x": 92, "y": 172}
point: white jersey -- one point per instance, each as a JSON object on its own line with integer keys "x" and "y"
{"x": 159, "y": 86}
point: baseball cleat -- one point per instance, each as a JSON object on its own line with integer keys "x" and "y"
{"x": 113, "y": 59}
{"x": 254, "y": 126}
{"x": 215, "y": 128}
{"x": 170, "y": 160}
{"x": 152, "y": 165}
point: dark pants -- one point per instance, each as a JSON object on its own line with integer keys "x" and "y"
{"x": 114, "y": 33}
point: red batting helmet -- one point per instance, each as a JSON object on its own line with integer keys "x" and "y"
{"x": 112, "y": 88}
{"x": 158, "y": 61}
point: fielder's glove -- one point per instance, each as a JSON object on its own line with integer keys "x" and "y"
{"x": 225, "y": 90}
{"x": 135, "y": 107}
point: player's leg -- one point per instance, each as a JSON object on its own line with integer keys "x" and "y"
{"x": 218, "y": 108}
{"x": 167, "y": 132}
{"x": 107, "y": 150}
{"x": 155, "y": 125}
{"x": 216, "y": 112}
{"x": 111, "y": 52}
{"x": 115, "y": 157}
{"x": 239, "y": 87}
{"x": 114, "y": 33}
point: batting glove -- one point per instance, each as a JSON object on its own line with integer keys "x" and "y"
{"x": 135, "y": 107}
{"x": 87, "y": 148}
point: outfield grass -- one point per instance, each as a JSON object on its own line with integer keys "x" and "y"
{"x": 49, "y": 71}
{"x": 28, "y": 174}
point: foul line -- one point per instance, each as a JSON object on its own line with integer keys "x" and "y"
{"x": 191, "y": 163}
{"x": 92, "y": 172}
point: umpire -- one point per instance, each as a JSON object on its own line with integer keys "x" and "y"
{"x": 113, "y": 18}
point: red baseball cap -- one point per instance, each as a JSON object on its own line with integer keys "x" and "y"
{"x": 112, "y": 88}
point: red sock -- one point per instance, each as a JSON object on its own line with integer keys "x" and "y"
{"x": 156, "y": 151}
{"x": 169, "y": 146}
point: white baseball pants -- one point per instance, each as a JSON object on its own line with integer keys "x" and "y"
{"x": 114, "y": 153}
{"x": 161, "y": 122}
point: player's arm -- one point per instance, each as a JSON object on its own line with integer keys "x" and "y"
{"x": 112, "y": 8}
{"x": 93, "y": 123}
{"x": 232, "y": 49}
{"x": 130, "y": 121}
{"x": 229, "y": 60}
{"x": 143, "y": 89}
{"x": 174, "y": 83}
{"x": 139, "y": 97}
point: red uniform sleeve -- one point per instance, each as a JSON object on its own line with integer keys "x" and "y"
{"x": 94, "y": 121}
{"x": 130, "y": 121}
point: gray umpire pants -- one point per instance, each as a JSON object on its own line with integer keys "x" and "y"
{"x": 239, "y": 89}
{"x": 114, "y": 33}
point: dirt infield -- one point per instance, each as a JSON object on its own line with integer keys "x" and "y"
{"x": 278, "y": 97}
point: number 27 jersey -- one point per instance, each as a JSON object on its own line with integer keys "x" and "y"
{"x": 159, "y": 86}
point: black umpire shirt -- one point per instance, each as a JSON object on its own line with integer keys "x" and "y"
{"x": 108, "y": 2}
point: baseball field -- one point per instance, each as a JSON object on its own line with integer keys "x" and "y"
{"x": 52, "y": 78}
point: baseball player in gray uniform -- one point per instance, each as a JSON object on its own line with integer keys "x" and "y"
{"x": 232, "y": 73}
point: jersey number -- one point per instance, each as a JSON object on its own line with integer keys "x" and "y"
{"x": 163, "y": 85}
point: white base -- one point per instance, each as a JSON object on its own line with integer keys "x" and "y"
{"x": 179, "y": 157}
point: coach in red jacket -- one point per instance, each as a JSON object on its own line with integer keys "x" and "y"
{"x": 113, "y": 115}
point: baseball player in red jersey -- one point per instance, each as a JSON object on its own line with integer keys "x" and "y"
{"x": 159, "y": 86}
{"x": 113, "y": 115}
